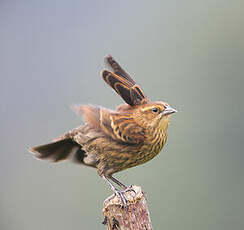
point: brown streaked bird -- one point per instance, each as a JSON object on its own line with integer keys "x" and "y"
{"x": 110, "y": 140}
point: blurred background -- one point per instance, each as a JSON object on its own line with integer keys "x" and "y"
{"x": 188, "y": 53}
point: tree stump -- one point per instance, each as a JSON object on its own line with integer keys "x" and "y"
{"x": 135, "y": 217}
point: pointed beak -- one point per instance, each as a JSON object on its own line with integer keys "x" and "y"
{"x": 169, "y": 110}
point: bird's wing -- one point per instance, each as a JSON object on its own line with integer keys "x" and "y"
{"x": 123, "y": 84}
{"x": 126, "y": 129}
{"x": 119, "y": 127}
{"x": 117, "y": 69}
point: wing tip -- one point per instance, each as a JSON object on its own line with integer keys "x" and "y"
{"x": 37, "y": 155}
{"x": 108, "y": 56}
{"x": 104, "y": 72}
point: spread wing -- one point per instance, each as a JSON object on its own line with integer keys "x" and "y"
{"x": 117, "y": 69}
{"x": 126, "y": 129}
{"x": 119, "y": 127}
{"x": 123, "y": 84}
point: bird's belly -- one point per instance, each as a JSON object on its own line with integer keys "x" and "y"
{"x": 118, "y": 159}
{"x": 148, "y": 151}
{"x": 109, "y": 156}
{"x": 145, "y": 156}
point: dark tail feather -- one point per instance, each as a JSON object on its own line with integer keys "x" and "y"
{"x": 59, "y": 150}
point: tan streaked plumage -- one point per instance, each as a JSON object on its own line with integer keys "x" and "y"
{"x": 110, "y": 140}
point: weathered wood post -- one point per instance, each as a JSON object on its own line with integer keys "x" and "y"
{"x": 135, "y": 217}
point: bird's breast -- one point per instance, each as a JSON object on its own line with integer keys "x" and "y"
{"x": 152, "y": 146}
{"x": 157, "y": 141}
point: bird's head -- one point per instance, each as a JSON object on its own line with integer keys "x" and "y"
{"x": 153, "y": 114}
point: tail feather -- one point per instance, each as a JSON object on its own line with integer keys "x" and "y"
{"x": 59, "y": 150}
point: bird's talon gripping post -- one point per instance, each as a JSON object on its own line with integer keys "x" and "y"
{"x": 129, "y": 188}
{"x": 123, "y": 200}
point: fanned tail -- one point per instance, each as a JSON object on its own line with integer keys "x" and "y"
{"x": 59, "y": 150}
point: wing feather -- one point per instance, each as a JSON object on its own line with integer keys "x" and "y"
{"x": 117, "y": 69}
{"x": 130, "y": 92}
{"x": 126, "y": 129}
{"x": 120, "y": 127}
{"x": 123, "y": 84}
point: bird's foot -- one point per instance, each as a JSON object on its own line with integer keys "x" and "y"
{"x": 123, "y": 200}
{"x": 129, "y": 188}
{"x": 120, "y": 194}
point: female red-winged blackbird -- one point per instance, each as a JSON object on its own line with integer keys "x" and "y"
{"x": 112, "y": 141}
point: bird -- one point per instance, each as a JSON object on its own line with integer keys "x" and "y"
{"x": 114, "y": 140}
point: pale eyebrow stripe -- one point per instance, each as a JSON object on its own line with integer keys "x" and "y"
{"x": 147, "y": 108}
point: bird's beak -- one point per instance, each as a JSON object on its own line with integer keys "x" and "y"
{"x": 168, "y": 110}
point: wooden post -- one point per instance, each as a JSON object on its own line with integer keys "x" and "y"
{"x": 135, "y": 217}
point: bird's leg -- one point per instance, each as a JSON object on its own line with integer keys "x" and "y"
{"x": 118, "y": 183}
{"x": 123, "y": 201}
{"x": 125, "y": 188}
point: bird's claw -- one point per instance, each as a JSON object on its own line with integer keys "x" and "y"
{"x": 130, "y": 188}
{"x": 120, "y": 195}
{"x": 123, "y": 200}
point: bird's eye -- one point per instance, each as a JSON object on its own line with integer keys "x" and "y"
{"x": 155, "y": 110}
